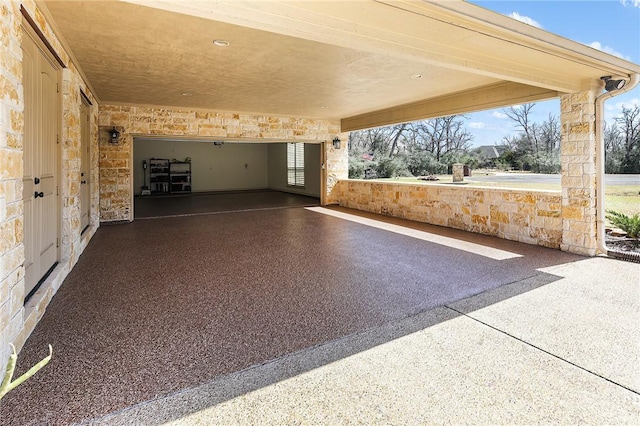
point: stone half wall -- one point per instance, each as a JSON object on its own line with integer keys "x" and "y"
{"x": 116, "y": 173}
{"x": 532, "y": 217}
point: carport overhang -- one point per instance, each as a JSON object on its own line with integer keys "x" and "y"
{"x": 346, "y": 60}
{"x": 316, "y": 69}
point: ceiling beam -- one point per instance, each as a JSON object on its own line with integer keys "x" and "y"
{"x": 487, "y": 97}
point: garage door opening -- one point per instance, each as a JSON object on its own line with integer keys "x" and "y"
{"x": 190, "y": 177}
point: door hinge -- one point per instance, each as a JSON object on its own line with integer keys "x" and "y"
{"x": 58, "y": 139}
{"x": 57, "y": 242}
{"x": 57, "y": 87}
{"x": 57, "y": 190}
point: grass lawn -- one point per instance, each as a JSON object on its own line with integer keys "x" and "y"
{"x": 622, "y": 198}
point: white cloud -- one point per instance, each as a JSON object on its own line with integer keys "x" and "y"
{"x": 526, "y": 19}
{"x": 607, "y": 49}
{"x": 617, "y": 107}
{"x": 632, "y": 3}
{"x": 498, "y": 114}
{"x": 613, "y": 110}
{"x": 477, "y": 125}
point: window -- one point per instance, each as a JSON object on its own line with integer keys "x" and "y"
{"x": 295, "y": 164}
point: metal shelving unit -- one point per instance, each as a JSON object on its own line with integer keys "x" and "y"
{"x": 159, "y": 175}
{"x": 179, "y": 177}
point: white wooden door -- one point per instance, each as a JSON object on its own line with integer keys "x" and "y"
{"x": 85, "y": 202}
{"x": 39, "y": 178}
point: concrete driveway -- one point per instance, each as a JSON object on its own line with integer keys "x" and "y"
{"x": 614, "y": 180}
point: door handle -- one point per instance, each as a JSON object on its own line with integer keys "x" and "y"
{"x": 38, "y": 194}
{"x": 83, "y": 181}
{"x": 36, "y": 180}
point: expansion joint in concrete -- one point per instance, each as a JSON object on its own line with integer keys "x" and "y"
{"x": 541, "y": 349}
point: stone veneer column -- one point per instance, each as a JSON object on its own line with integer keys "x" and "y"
{"x": 578, "y": 158}
{"x": 337, "y": 165}
{"x": 11, "y": 129}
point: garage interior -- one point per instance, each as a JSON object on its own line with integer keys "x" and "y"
{"x": 223, "y": 176}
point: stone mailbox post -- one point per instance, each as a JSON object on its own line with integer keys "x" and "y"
{"x": 458, "y": 172}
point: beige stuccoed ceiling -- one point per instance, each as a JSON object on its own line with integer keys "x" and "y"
{"x": 350, "y": 60}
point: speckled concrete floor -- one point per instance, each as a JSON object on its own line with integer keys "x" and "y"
{"x": 156, "y": 306}
{"x": 203, "y": 203}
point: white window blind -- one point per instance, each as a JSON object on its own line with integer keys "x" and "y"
{"x": 295, "y": 164}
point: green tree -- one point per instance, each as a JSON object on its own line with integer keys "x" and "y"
{"x": 536, "y": 146}
{"x": 622, "y": 142}
{"x": 629, "y": 122}
{"x": 421, "y": 147}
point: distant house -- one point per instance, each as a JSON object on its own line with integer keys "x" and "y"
{"x": 489, "y": 154}
{"x": 490, "y": 151}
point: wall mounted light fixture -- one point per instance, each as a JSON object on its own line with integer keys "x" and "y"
{"x": 336, "y": 143}
{"x": 115, "y": 135}
{"x": 613, "y": 84}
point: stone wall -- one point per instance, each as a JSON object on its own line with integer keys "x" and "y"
{"x": 16, "y": 320}
{"x": 11, "y": 124}
{"x": 72, "y": 241}
{"x": 116, "y": 173}
{"x": 531, "y": 216}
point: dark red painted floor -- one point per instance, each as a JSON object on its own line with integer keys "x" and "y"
{"x": 159, "y": 305}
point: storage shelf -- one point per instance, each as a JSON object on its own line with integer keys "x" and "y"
{"x": 159, "y": 176}
{"x": 167, "y": 176}
{"x": 179, "y": 177}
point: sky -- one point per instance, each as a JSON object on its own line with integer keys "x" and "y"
{"x": 612, "y": 26}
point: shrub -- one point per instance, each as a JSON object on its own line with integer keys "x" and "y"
{"x": 391, "y": 167}
{"x": 629, "y": 224}
{"x": 356, "y": 169}
{"x": 423, "y": 163}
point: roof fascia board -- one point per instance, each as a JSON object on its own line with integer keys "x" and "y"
{"x": 536, "y": 37}
{"x": 492, "y": 96}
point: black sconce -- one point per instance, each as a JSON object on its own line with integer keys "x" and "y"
{"x": 115, "y": 135}
{"x": 336, "y": 143}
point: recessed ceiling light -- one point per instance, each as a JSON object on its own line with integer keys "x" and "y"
{"x": 221, "y": 43}
{"x": 187, "y": 94}
{"x": 322, "y": 107}
{"x": 416, "y": 76}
